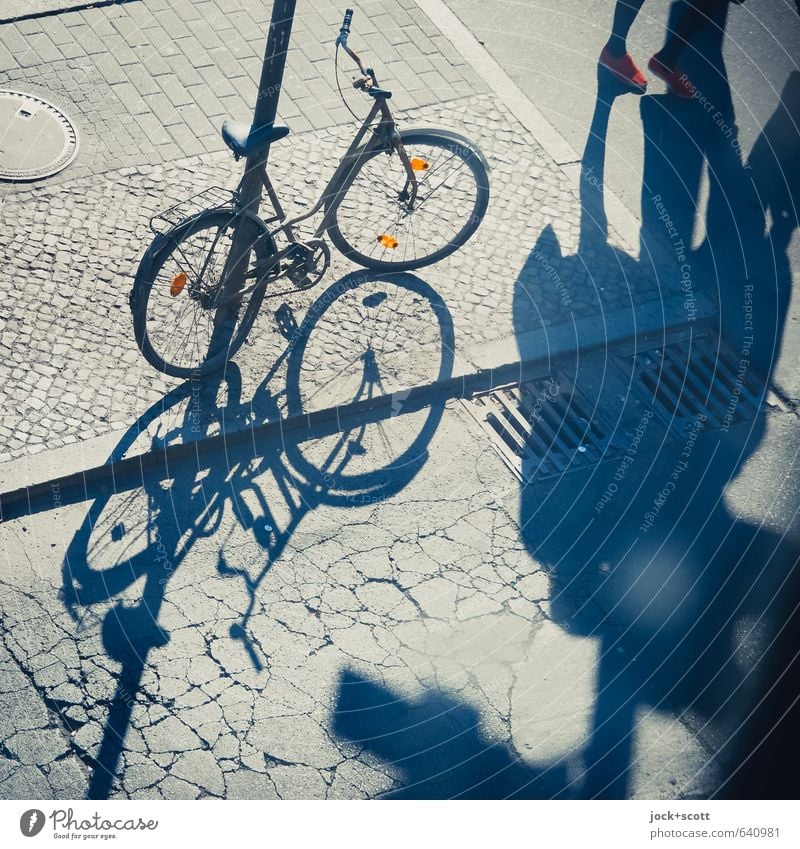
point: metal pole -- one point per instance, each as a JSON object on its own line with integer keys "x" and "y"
{"x": 280, "y": 30}
{"x": 266, "y": 108}
{"x": 269, "y": 89}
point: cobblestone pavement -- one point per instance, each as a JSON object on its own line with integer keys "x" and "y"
{"x": 83, "y": 373}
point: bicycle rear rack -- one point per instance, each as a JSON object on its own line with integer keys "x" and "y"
{"x": 209, "y": 199}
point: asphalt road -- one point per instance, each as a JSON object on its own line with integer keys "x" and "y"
{"x": 550, "y": 50}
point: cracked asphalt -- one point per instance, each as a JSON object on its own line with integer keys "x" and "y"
{"x": 382, "y": 611}
{"x": 253, "y": 633}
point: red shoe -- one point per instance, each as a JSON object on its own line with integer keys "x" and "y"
{"x": 624, "y": 69}
{"x": 677, "y": 82}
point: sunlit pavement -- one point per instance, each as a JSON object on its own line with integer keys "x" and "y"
{"x": 385, "y": 610}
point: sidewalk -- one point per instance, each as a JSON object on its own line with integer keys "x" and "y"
{"x": 71, "y": 370}
{"x": 367, "y": 613}
{"x": 152, "y": 80}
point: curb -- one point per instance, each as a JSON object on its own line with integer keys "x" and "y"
{"x": 618, "y": 216}
{"x": 543, "y": 344}
{"x": 68, "y": 471}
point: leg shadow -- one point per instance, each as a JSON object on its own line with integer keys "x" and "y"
{"x": 437, "y": 744}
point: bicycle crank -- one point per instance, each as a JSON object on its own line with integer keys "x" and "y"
{"x": 307, "y": 263}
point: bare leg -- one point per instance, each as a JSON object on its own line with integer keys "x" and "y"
{"x": 624, "y": 15}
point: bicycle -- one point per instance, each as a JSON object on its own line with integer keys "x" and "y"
{"x": 194, "y": 301}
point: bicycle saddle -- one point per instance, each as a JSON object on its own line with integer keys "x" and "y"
{"x": 243, "y": 138}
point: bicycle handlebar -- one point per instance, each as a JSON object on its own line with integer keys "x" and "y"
{"x": 345, "y": 30}
{"x": 341, "y": 40}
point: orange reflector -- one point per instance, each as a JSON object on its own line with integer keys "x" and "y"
{"x": 419, "y": 164}
{"x": 388, "y": 241}
{"x": 178, "y": 282}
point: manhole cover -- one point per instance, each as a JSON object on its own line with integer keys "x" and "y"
{"x": 36, "y": 139}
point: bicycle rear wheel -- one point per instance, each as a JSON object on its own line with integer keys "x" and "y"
{"x": 376, "y": 226}
{"x": 177, "y": 326}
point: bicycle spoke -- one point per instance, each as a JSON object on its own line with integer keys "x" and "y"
{"x": 446, "y": 199}
{"x": 198, "y": 275}
{"x": 181, "y": 328}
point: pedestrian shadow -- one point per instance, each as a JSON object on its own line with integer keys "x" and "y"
{"x": 437, "y": 744}
{"x": 684, "y": 593}
{"x": 126, "y": 555}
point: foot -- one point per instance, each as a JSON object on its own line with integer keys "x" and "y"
{"x": 677, "y": 82}
{"x": 624, "y": 69}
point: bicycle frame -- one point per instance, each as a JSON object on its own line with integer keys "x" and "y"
{"x": 385, "y": 136}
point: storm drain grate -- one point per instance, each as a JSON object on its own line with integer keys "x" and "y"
{"x": 696, "y": 379}
{"x": 541, "y": 428}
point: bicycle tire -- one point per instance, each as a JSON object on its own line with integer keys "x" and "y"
{"x": 350, "y": 218}
{"x": 157, "y": 269}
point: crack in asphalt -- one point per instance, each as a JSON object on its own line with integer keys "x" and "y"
{"x": 343, "y": 614}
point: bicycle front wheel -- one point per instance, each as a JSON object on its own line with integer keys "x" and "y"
{"x": 376, "y": 224}
{"x": 178, "y": 326}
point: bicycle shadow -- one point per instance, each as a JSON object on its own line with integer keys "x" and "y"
{"x": 684, "y": 606}
{"x": 127, "y": 555}
{"x": 179, "y": 511}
